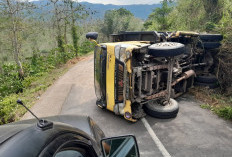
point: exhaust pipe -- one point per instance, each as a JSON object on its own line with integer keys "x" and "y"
{"x": 185, "y": 76}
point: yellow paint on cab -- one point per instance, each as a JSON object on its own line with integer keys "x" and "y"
{"x": 110, "y": 68}
{"x": 110, "y": 75}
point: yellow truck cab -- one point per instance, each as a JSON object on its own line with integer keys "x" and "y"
{"x": 145, "y": 71}
{"x": 113, "y": 76}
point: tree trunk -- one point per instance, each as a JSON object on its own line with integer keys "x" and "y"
{"x": 75, "y": 39}
{"x": 14, "y": 38}
{"x": 16, "y": 48}
{"x": 74, "y": 31}
{"x": 60, "y": 41}
{"x": 65, "y": 33}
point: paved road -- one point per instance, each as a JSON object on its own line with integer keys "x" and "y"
{"x": 194, "y": 132}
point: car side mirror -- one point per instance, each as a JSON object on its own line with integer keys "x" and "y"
{"x": 92, "y": 35}
{"x": 121, "y": 146}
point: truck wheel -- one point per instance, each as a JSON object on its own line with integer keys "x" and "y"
{"x": 210, "y": 85}
{"x": 211, "y": 37}
{"x": 159, "y": 111}
{"x": 166, "y": 49}
{"x": 206, "y": 79}
{"x": 209, "y": 45}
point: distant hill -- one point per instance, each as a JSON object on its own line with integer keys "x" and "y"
{"x": 140, "y": 11}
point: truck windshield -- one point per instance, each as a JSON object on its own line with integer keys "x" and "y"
{"x": 100, "y": 72}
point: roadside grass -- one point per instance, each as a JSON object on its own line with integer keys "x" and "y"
{"x": 215, "y": 101}
{"x": 29, "y": 95}
{"x": 11, "y": 111}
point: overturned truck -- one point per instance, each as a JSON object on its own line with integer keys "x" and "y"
{"x": 146, "y": 71}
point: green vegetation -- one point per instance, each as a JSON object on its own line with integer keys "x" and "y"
{"x": 34, "y": 46}
{"x": 40, "y": 72}
{"x": 205, "y": 106}
{"x": 36, "y": 85}
{"x": 120, "y": 20}
{"x": 215, "y": 101}
{"x": 158, "y": 19}
{"x": 223, "y": 111}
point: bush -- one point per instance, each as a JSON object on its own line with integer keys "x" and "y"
{"x": 9, "y": 80}
{"x": 11, "y": 84}
{"x": 86, "y": 47}
{"x": 8, "y": 108}
{"x": 225, "y": 111}
{"x": 34, "y": 67}
{"x": 225, "y": 56}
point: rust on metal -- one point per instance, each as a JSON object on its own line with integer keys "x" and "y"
{"x": 157, "y": 67}
{"x": 157, "y": 95}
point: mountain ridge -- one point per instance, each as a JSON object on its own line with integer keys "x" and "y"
{"x": 141, "y": 11}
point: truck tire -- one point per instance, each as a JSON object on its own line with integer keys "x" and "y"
{"x": 209, "y": 45}
{"x": 206, "y": 79}
{"x": 166, "y": 49}
{"x": 210, "y": 85}
{"x": 156, "y": 110}
{"x": 211, "y": 37}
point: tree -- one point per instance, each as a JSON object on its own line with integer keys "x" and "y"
{"x": 65, "y": 14}
{"x": 16, "y": 11}
{"x": 196, "y": 15}
{"x": 74, "y": 12}
{"x": 213, "y": 10}
{"x": 213, "y": 13}
{"x": 120, "y": 20}
{"x": 158, "y": 19}
{"x": 187, "y": 15}
{"x": 58, "y": 18}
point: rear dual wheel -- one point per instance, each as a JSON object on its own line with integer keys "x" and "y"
{"x": 211, "y": 37}
{"x": 206, "y": 79}
{"x": 210, "y": 41}
{"x": 209, "y": 45}
{"x": 210, "y": 81}
{"x": 209, "y": 85}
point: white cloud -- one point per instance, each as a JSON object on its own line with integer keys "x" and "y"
{"x": 122, "y": 2}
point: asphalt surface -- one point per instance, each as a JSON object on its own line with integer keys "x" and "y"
{"x": 194, "y": 132}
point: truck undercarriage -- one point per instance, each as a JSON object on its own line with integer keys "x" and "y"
{"x": 159, "y": 77}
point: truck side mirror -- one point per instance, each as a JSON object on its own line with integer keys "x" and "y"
{"x": 120, "y": 146}
{"x": 92, "y": 35}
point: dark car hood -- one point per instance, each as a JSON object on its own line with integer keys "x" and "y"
{"x": 80, "y": 122}
{"x": 83, "y": 123}
{"x": 22, "y": 134}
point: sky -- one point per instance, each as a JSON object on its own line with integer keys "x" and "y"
{"x": 123, "y": 2}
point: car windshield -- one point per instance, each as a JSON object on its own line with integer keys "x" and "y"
{"x": 99, "y": 72}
